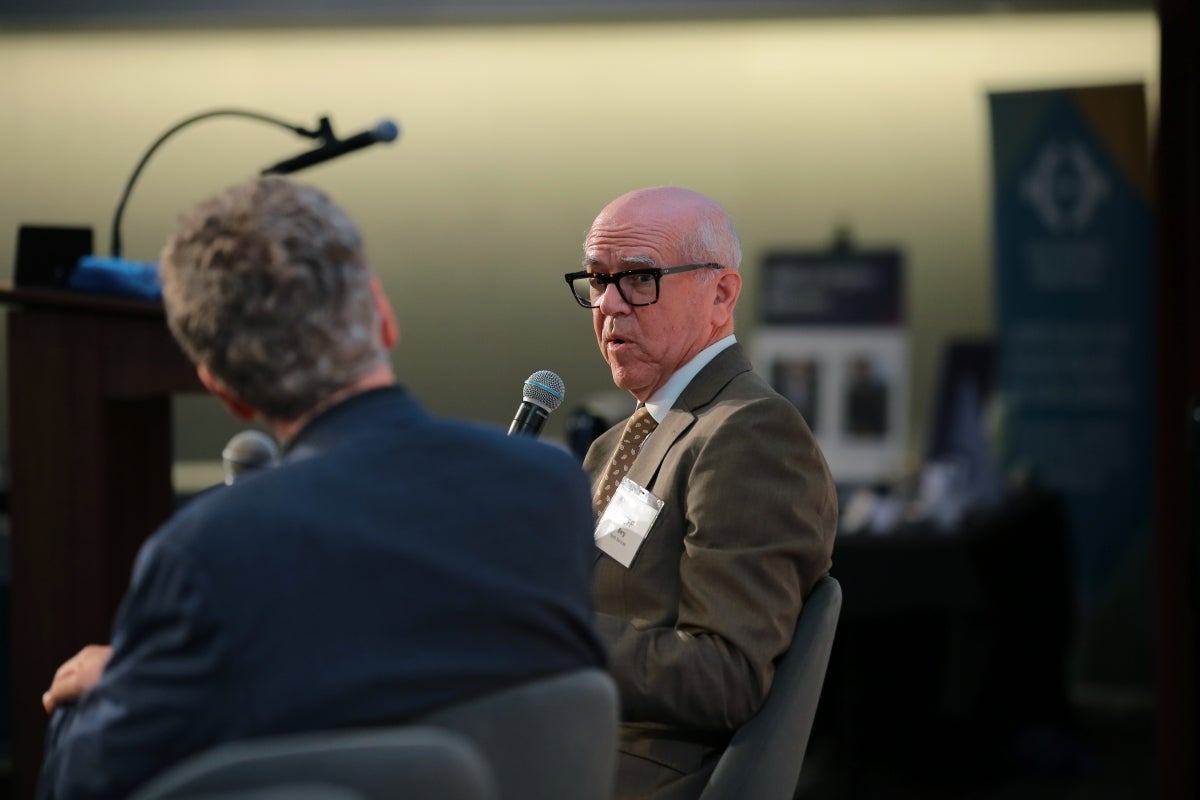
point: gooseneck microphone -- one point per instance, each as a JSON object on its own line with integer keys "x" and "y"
{"x": 331, "y": 147}
{"x": 542, "y": 392}
{"x": 384, "y": 131}
{"x": 246, "y": 452}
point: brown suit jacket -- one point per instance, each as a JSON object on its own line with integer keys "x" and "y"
{"x": 695, "y": 624}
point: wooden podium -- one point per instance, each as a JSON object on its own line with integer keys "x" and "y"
{"x": 90, "y": 380}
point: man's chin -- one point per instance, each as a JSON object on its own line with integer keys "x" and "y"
{"x": 621, "y": 377}
{"x": 625, "y": 379}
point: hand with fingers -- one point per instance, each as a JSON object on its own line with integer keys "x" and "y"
{"x": 76, "y": 676}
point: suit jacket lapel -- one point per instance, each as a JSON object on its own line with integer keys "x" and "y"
{"x": 651, "y": 456}
{"x": 729, "y": 363}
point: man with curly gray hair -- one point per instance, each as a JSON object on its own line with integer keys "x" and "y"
{"x": 392, "y": 563}
{"x": 321, "y": 326}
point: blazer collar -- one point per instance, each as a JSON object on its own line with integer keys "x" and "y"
{"x": 707, "y": 384}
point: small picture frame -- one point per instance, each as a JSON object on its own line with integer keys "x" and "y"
{"x": 852, "y": 388}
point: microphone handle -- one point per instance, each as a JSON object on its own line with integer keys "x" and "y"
{"x": 529, "y": 420}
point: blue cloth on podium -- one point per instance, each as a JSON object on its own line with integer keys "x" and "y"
{"x": 107, "y": 275}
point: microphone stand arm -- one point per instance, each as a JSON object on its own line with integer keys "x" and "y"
{"x": 324, "y": 132}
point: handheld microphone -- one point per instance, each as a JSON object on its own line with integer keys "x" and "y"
{"x": 246, "y": 452}
{"x": 384, "y": 131}
{"x": 542, "y": 392}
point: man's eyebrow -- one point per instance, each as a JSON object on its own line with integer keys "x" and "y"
{"x": 629, "y": 262}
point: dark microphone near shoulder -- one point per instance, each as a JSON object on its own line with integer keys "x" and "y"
{"x": 542, "y": 392}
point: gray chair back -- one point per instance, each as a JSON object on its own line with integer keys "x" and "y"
{"x": 553, "y": 738}
{"x": 416, "y": 763}
{"x": 284, "y": 791}
{"x": 764, "y": 756}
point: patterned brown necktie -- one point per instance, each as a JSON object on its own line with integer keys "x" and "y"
{"x": 639, "y": 426}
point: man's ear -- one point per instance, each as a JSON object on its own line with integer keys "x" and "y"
{"x": 729, "y": 286}
{"x": 239, "y": 408}
{"x": 388, "y": 329}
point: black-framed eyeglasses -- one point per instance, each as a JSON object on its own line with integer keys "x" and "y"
{"x": 637, "y": 287}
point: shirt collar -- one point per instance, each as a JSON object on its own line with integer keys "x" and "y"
{"x": 662, "y": 400}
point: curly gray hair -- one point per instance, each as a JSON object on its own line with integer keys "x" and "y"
{"x": 266, "y": 284}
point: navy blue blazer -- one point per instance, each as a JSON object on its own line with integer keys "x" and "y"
{"x": 391, "y": 564}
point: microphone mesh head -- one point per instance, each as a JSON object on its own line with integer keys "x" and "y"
{"x": 385, "y": 131}
{"x": 545, "y": 389}
{"x": 246, "y": 451}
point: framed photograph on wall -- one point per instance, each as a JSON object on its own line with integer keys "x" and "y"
{"x": 852, "y": 388}
{"x": 833, "y": 340}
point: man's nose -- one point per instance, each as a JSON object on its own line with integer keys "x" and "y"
{"x": 611, "y": 301}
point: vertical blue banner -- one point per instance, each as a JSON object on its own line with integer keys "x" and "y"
{"x": 1074, "y": 278}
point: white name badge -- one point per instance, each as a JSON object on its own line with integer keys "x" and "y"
{"x": 626, "y": 522}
